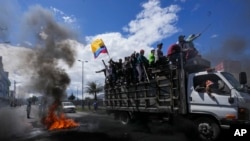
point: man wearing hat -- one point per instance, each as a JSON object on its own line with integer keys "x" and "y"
{"x": 185, "y": 48}
{"x": 182, "y": 42}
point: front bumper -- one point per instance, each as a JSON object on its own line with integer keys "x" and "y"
{"x": 69, "y": 110}
{"x": 227, "y": 124}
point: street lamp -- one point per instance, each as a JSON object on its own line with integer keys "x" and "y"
{"x": 76, "y": 93}
{"x": 82, "y": 80}
{"x": 14, "y": 96}
{"x": 15, "y": 89}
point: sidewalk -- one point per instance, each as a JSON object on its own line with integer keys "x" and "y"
{"x": 14, "y": 121}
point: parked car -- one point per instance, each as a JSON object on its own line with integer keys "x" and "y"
{"x": 68, "y": 107}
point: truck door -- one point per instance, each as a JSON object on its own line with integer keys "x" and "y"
{"x": 217, "y": 103}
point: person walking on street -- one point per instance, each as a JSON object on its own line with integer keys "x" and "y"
{"x": 89, "y": 104}
{"x": 28, "y": 109}
{"x": 95, "y": 105}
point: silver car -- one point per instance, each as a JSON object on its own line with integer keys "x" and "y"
{"x": 68, "y": 107}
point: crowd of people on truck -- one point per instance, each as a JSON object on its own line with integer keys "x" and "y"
{"x": 135, "y": 68}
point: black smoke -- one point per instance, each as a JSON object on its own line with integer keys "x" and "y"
{"x": 52, "y": 43}
{"x": 235, "y": 45}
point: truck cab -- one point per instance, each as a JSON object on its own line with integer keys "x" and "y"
{"x": 229, "y": 104}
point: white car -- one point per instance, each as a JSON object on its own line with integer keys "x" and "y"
{"x": 68, "y": 107}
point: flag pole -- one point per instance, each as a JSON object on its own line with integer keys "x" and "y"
{"x": 109, "y": 56}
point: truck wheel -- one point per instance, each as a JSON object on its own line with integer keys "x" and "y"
{"x": 125, "y": 118}
{"x": 208, "y": 129}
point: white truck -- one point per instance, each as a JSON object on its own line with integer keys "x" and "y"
{"x": 175, "y": 90}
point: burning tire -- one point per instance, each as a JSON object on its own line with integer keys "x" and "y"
{"x": 209, "y": 130}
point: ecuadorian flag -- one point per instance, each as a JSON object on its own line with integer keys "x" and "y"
{"x": 98, "y": 47}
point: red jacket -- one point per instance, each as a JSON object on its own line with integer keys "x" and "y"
{"x": 174, "y": 48}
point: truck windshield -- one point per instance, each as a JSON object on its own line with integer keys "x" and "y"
{"x": 231, "y": 79}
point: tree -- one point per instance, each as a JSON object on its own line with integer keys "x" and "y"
{"x": 94, "y": 88}
{"x": 34, "y": 99}
{"x": 71, "y": 97}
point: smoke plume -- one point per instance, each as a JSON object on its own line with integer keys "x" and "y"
{"x": 235, "y": 45}
{"x": 53, "y": 43}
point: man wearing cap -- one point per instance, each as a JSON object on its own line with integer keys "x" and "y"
{"x": 182, "y": 42}
{"x": 187, "y": 46}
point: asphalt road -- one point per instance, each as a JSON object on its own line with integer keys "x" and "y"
{"x": 93, "y": 127}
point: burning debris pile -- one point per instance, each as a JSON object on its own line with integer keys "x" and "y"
{"x": 53, "y": 121}
{"x": 53, "y": 44}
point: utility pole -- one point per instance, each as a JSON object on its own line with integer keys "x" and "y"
{"x": 77, "y": 96}
{"x": 15, "y": 96}
{"x": 82, "y": 80}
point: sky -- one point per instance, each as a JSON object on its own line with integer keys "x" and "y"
{"x": 125, "y": 26}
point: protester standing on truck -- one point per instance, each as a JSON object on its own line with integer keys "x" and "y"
{"x": 133, "y": 61}
{"x": 107, "y": 73}
{"x": 192, "y": 51}
{"x": 158, "y": 54}
{"x": 151, "y": 58}
{"x": 174, "y": 53}
{"x": 182, "y": 42}
{"x": 187, "y": 46}
{"x": 141, "y": 66}
{"x": 128, "y": 70}
{"x": 183, "y": 46}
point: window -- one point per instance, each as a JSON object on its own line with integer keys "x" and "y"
{"x": 218, "y": 86}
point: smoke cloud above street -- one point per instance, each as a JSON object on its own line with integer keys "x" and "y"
{"x": 234, "y": 46}
{"x": 52, "y": 44}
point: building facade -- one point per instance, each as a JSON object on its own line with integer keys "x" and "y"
{"x": 234, "y": 67}
{"x": 4, "y": 82}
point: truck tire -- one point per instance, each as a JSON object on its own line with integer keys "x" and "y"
{"x": 208, "y": 128}
{"x": 125, "y": 118}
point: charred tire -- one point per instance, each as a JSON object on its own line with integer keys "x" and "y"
{"x": 208, "y": 128}
{"x": 125, "y": 118}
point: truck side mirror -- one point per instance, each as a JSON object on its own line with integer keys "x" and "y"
{"x": 243, "y": 77}
{"x": 231, "y": 100}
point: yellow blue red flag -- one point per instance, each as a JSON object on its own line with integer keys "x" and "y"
{"x": 98, "y": 47}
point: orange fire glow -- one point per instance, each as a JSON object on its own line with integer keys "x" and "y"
{"x": 55, "y": 121}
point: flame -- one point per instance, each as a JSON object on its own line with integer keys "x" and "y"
{"x": 55, "y": 121}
